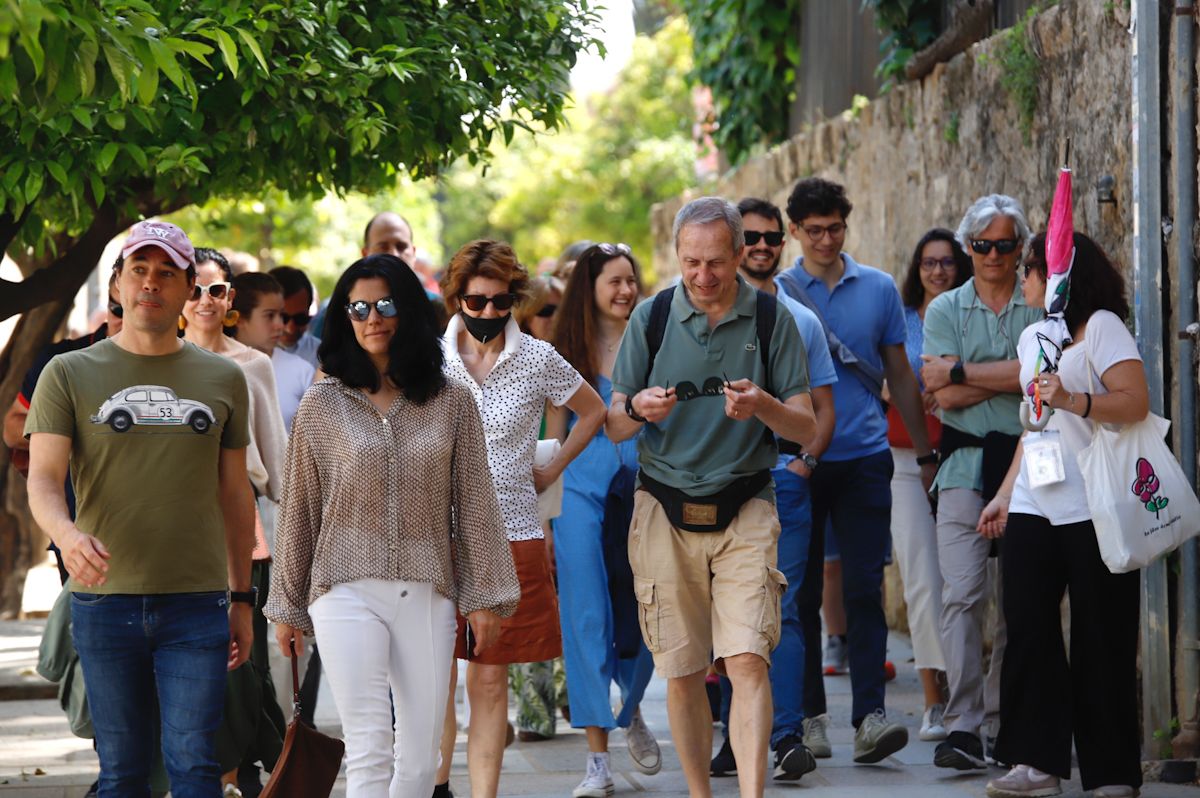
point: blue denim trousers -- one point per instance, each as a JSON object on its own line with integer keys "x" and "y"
{"x": 787, "y": 660}
{"x": 857, "y": 496}
{"x": 151, "y": 661}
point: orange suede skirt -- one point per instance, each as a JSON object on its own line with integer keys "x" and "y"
{"x": 532, "y": 633}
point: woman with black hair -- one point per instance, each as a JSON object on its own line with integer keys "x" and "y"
{"x": 1049, "y": 547}
{"x": 388, "y": 519}
{"x": 938, "y": 264}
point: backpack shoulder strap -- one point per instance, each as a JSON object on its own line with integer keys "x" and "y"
{"x": 656, "y": 328}
{"x": 764, "y": 319}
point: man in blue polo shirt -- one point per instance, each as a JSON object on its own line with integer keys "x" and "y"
{"x": 861, "y": 311}
{"x": 702, "y": 542}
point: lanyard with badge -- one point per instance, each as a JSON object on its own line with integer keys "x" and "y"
{"x": 1043, "y": 457}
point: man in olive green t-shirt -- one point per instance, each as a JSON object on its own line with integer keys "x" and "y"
{"x": 155, "y": 431}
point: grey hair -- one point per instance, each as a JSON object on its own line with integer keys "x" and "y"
{"x": 984, "y": 211}
{"x": 707, "y": 210}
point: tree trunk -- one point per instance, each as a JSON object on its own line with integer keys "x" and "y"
{"x": 971, "y": 22}
{"x": 33, "y": 332}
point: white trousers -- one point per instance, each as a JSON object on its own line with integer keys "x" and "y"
{"x": 376, "y": 636}
{"x": 914, "y": 534}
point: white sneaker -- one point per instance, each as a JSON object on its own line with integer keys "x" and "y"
{"x": 643, "y": 748}
{"x": 932, "y": 724}
{"x": 835, "y": 657}
{"x": 816, "y": 736}
{"x": 598, "y": 782}
{"x": 1024, "y": 781}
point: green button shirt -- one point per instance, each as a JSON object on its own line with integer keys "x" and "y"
{"x": 959, "y": 324}
{"x": 697, "y": 448}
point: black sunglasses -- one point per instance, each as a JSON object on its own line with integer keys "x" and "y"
{"x": 773, "y": 239}
{"x": 1003, "y": 246}
{"x": 547, "y": 311}
{"x": 361, "y": 311}
{"x": 1033, "y": 266}
{"x": 116, "y": 309}
{"x": 478, "y": 302}
{"x": 300, "y": 319}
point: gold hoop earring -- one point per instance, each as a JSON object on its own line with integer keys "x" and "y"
{"x": 182, "y": 323}
{"x": 231, "y": 319}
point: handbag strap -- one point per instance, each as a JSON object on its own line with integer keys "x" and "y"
{"x": 295, "y": 681}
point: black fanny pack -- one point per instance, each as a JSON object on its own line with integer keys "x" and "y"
{"x": 711, "y": 513}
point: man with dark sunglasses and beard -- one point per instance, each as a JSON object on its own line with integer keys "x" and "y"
{"x": 704, "y": 534}
{"x": 298, "y": 295}
{"x": 763, "y": 226}
{"x": 971, "y": 368}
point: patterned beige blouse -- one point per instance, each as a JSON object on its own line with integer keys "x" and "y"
{"x": 370, "y": 496}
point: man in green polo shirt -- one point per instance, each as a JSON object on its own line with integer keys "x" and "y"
{"x": 702, "y": 543}
{"x": 971, "y": 368}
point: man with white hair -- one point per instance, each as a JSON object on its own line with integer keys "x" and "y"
{"x": 710, "y": 372}
{"x": 971, "y": 368}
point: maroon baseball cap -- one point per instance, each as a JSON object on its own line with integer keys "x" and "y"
{"x": 164, "y": 235}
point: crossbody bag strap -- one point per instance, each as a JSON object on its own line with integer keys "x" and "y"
{"x": 870, "y": 376}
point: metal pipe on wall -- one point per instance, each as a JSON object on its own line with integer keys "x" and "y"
{"x": 1148, "y": 322}
{"x": 1183, "y": 154}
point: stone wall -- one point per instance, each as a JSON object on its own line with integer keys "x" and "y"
{"x": 905, "y": 172}
{"x": 906, "y": 169}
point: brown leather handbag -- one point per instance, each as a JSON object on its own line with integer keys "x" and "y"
{"x": 309, "y": 763}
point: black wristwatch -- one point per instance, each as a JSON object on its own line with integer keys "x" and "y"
{"x": 245, "y": 596}
{"x": 928, "y": 459}
{"x": 958, "y": 373}
{"x": 629, "y": 411}
{"x": 809, "y": 461}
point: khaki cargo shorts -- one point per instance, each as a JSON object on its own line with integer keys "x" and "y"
{"x": 704, "y": 596}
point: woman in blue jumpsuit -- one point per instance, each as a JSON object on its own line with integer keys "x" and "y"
{"x": 600, "y": 295}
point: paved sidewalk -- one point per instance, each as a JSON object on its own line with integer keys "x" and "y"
{"x": 40, "y": 759}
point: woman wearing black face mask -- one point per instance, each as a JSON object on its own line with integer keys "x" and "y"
{"x": 512, "y": 375}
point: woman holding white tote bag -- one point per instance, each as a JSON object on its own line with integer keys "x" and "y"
{"x": 1049, "y": 546}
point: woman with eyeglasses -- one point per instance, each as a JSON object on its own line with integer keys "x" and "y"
{"x": 1049, "y": 698}
{"x": 938, "y": 264}
{"x": 511, "y": 375}
{"x": 253, "y": 727}
{"x": 601, "y": 293}
{"x": 388, "y": 521}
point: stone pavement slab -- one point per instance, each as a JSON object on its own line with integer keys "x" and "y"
{"x": 39, "y": 758}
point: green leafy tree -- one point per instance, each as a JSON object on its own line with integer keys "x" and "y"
{"x": 113, "y": 110}
{"x": 621, "y": 151}
{"x": 907, "y": 26}
{"x": 747, "y": 52}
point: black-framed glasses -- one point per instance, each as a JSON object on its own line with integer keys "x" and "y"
{"x": 835, "y": 231}
{"x": 300, "y": 319}
{"x": 214, "y": 290}
{"x": 773, "y": 239}
{"x": 477, "y": 302}
{"x": 612, "y": 250}
{"x": 547, "y": 311}
{"x": 1004, "y": 246}
{"x": 1033, "y": 266}
{"x": 114, "y": 307}
{"x": 361, "y": 310}
{"x": 946, "y": 264}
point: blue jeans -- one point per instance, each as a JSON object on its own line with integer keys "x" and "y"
{"x": 148, "y": 659}
{"x": 787, "y": 660}
{"x": 857, "y": 496}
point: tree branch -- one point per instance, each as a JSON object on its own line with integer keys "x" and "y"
{"x": 63, "y": 277}
{"x": 971, "y": 21}
{"x": 9, "y": 227}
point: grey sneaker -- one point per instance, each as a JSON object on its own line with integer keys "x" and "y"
{"x": 933, "y": 726}
{"x": 835, "y": 657}
{"x": 877, "y": 738}
{"x": 816, "y": 736}
{"x": 1116, "y": 791}
{"x": 1024, "y": 782}
{"x": 643, "y": 748}
{"x": 598, "y": 782}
